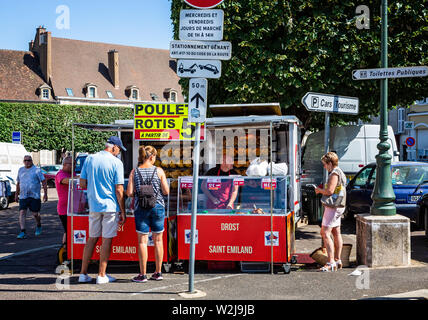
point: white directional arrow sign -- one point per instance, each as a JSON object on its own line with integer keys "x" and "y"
{"x": 321, "y": 102}
{"x": 385, "y": 73}
{"x": 198, "y": 89}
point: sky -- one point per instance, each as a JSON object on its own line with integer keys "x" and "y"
{"x": 141, "y": 23}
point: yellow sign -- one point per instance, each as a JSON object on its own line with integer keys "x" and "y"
{"x": 163, "y": 122}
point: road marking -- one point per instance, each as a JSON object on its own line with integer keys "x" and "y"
{"x": 185, "y": 283}
{"x": 11, "y": 255}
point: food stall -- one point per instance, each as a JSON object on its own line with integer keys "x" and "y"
{"x": 246, "y": 234}
{"x": 258, "y": 229}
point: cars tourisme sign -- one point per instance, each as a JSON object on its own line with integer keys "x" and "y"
{"x": 203, "y": 4}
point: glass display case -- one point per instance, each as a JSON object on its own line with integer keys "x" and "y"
{"x": 234, "y": 195}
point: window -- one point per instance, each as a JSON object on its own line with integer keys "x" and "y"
{"x": 134, "y": 94}
{"x": 69, "y": 92}
{"x": 110, "y": 94}
{"x": 173, "y": 96}
{"x": 91, "y": 92}
{"x": 45, "y": 94}
{"x": 401, "y": 115}
{"x": 361, "y": 179}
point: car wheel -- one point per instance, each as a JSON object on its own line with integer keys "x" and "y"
{"x": 4, "y": 203}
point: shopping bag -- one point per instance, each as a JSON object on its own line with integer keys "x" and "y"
{"x": 257, "y": 168}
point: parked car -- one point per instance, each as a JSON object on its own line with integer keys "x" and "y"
{"x": 50, "y": 172}
{"x": 422, "y": 214}
{"x": 409, "y": 182}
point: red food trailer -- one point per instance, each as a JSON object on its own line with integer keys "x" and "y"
{"x": 240, "y": 235}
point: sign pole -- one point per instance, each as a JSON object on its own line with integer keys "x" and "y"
{"x": 326, "y": 143}
{"x": 383, "y": 194}
{"x": 196, "y": 152}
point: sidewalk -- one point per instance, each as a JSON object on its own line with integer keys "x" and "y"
{"x": 29, "y": 274}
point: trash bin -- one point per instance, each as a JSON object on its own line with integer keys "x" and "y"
{"x": 311, "y": 204}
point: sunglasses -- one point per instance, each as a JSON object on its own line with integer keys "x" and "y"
{"x": 28, "y": 160}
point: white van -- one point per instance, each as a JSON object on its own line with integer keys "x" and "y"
{"x": 11, "y": 159}
{"x": 356, "y": 147}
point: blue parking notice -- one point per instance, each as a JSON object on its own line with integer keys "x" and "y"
{"x": 16, "y": 137}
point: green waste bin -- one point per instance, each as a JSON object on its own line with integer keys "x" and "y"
{"x": 311, "y": 204}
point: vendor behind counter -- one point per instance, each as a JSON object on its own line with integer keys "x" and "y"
{"x": 225, "y": 195}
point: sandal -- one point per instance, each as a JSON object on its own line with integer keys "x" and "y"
{"x": 329, "y": 267}
{"x": 339, "y": 264}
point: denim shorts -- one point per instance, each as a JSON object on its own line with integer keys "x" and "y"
{"x": 30, "y": 203}
{"x": 150, "y": 219}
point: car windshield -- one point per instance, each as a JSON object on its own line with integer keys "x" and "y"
{"x": 409, "y": 174}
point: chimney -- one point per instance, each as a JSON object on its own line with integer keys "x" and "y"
{"x": 42, "y": 45}
{"x": 30, "y": 45}
{"x": 113, "y": 67}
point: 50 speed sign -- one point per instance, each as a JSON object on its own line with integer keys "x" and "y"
{"x": 203, "y": 4}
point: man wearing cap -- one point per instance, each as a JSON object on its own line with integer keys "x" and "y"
{"x": 102, "y": 175}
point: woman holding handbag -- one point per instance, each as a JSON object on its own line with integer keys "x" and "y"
{"x": 334, "y": 202}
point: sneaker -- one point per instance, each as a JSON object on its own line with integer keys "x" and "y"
{"x": 21, "y": 235}
{"x": 156, "y": 276}
{"x": 140, "y": 278}
{"x": 38, "y": 231}
{"x": 105, "y": 279}
{"x": 84, "y": 278}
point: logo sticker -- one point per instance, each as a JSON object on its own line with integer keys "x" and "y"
{"x": 80, "y": 236}
{"x": 274, "y": 236}
{"x": 187, "y": 237}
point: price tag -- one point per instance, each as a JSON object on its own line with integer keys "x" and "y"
{"x": 186, "y": 183}
{"x": 214, "y": 184}
{"x": 267, "y": 184}
{"x": 238, "y": 182}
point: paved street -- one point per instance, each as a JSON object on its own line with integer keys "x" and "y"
{"x": 27, "y": 271}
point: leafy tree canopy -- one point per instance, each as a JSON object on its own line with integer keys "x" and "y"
{"x": 283, "y": 49}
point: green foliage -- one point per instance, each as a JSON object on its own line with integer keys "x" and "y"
{"x": 49, "y": 126}
{"x": 283, "y": 49}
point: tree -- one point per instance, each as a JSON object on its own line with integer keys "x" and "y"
{"x": 283, "y": 49}
{"x": 49, "y": 127}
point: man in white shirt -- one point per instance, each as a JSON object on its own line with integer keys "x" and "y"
{"x": 28, "y": 194}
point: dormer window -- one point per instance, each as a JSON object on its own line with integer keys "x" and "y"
{"x": 132, "y": 92}
{"x": 45, "y": 92}
{"x": 91, "y": 91}
{"x": 173, "y": 96}
{"x": 170, "y": 95}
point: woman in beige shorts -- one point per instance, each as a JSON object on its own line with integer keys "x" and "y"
{"x": 332, "y": 215}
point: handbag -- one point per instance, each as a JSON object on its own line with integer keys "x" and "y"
{"x": 338, "y": 198}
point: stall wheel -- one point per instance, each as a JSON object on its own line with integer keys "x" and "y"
{"x": 293, "y": 259}
{"x": 62, "y": 254}
{"x": 287, "y": 268}
{"x": 167, "y": 267}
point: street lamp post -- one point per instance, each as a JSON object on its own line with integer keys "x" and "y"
{"x": 383, "y": 195}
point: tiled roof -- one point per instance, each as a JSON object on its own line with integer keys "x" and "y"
{"x": 76, "y": 63}
{"x": 20, "y": 76}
